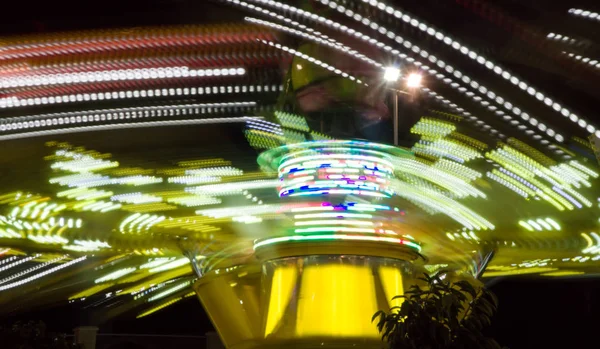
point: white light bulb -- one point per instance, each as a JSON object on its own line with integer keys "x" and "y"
{"x": 391, "y": 74}
{"x": 414, "y": 80}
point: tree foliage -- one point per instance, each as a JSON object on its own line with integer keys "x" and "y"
{"x": 32, "y": 335}
{"x": 442, "y": 316}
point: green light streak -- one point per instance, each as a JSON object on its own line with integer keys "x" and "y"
{"x": 333, "y": 237}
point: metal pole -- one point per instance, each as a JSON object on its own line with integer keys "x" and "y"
{"x": 396, "y": 121}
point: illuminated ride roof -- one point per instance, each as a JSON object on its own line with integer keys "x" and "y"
{"x": 125, "y": 155}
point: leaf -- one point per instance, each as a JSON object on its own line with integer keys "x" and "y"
{"x": 425, "y": 278}
{"x": 378, "y": 314}
{"x": 493, "y": 297}
{"x": 447, "y": 301}
{"x": 405, "y": 309}
{"x": 486, "y": 320}
{"x": 486, "y": 307}
{"x": 467, "y": 287}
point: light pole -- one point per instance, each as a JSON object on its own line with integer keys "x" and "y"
{"x": 396, "y": 113}
{"x": 396, "y": 119}
{"x": 413, "y": 81}
{"x": 392, "y": 75}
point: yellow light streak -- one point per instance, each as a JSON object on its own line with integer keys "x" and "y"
{"x": 159, "y": 307}
{"x": 563, "y": 273}
{"x": 519, "y": 271}
{"x": 91, "y": 291}
{"x": 144, "y": 208}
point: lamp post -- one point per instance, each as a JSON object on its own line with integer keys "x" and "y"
{"x": 413, "y": 81}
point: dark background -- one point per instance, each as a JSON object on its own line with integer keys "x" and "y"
{"x": 532, "y": 314}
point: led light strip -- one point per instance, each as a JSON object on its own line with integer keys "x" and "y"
{"x": 591, "y": 247}
{"x": 495, "y": 98}
{"x": 115, "y": 275}
{"x": 450, "y": 69}
{"x": 549, "y": 102}
{"x": 9, "y": 259}
{"x": 460, "y": 171}
{"x": 571, "y": 175}
{"x": 170, "y": 265}
{"x": 472, "y": 118}
{"x": 512, "y": 183}
{"x": 266, "y": 126}
{"x": 440, "y": 203}
{"x": 314, "y": 60}
{"x": 540, "y": 224}
{"x": 232, "y": 188}
{"x": 140, "y": 219}
{"x": 326, "y": 206}
{"x": 136, "y": 198}
{"x": 117, "y": 75}
{"x": 101, "y": 115}
{"x": 37, "y": 267}
{"x": 592, "y": 62}
{"x": 332, "y": 222}
{"x": 95, "y": 180}
{"x": 194, "y": 201}
{"x": 18, "y": 262}
{"x": 332, "y": 237}
{"x": 527, "y": 167}
{"x": 233, "y": 211}
{"x": 563, "y": 273}
{"x": 86, "y": 245}
{"x": 561, "y": 38}
{"x": 13, "y": 102}
{"x": 114, "y": 40}
{"x": 584, "y": 169}
{"x": 349, "y": 30}
{"x": 42, "y": 274}
{"x": 330, "y": 229}
{"x": 169, "y": 291}
{"x": 327, "y": 42}
{"x": 333, "y": 215}
{"x": 516, "y": 271}
{"x": 341, "y": 192}
{"x": 225, "y": 171}
{"x": 141, "y": 292}
{"x": 340, "y": 176}
{"x": 292, "y": 158}
{"x": 288, "y": 21}
{"x": 142, "y": 124}
{"x": 584, "y": 13}
{"x": 454, "y": 184}
{"x": 158, "y": 307}
{"x": 156, "y": 262}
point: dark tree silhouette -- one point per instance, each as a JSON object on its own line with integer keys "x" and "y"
{"x": 32, "y": 335}
{"x": 442, "y": 316}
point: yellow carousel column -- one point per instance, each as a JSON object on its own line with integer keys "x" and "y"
{"x": 230, "y": 296}
{"x": 336, "y": 300}
{"x": 324, "y": 294}
{"x": 306, "y": 295}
